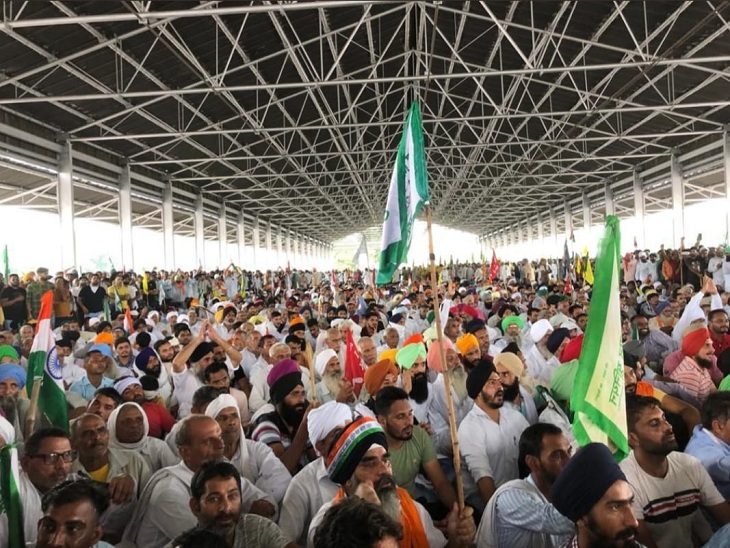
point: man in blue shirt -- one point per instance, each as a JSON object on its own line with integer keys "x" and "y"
{"x": 710, "y": 441}
{"x": 96, "y": 363}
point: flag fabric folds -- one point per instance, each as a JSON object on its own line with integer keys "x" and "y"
{"x": 494, "y": 267}
{"x": 10, "y": 503}
{"x": 45, "y": 367}
{"x": 598, "y": 391}
{"x": 407, "y": 195}
{"x": 6, "y": 263}
{"x": 354, "y": 371}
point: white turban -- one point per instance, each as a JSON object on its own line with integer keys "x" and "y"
{"x": 171, "y": 314}
{"x": 336, "y": 322}
{"x": 220, "y": 403}
{"x": 183, "y": 318}
{"x": 539, "y": 329}
{"x": 320, "y": 364}
{"x": 7, "y": 431}
{"x": 125, "y": 382}
{"x": 111, "y": 425}
{"x": 325, "y": 418}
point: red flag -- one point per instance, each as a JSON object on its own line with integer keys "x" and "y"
{"x": 354, "y": 371}
{"x": 494, "y": 267}
{"x": 128, "y": 323}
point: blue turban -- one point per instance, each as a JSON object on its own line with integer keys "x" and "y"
{"x": 13, "y": 371}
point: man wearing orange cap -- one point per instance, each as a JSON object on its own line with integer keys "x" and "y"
{"x": 693, "y": 372}
{"x": 381, "y": 374}
{"x": 468, "y": 346}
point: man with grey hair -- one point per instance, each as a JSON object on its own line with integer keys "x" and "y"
{"x": 163, "y": 512}
{"x": 259, "y": 388}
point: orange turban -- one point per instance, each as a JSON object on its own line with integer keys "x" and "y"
{"x": 693, "y": 341}
{"x": 417, "y": 338}
{"x": 465, "y": 342}
{"x": 104, "y": 338}
{"x": 375, "y": 375}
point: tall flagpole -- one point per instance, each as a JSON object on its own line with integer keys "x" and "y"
{"x": 445, "y": 372}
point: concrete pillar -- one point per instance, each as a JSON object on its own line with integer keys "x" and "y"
{"x": 726, "y": 163}
{"x": 280, "y": 260}
{"x": 241, "y": 239}
{"x": 269, "y": 258}
{"x": 168, "y": 223}
{"x": 553, "y": 231}
{"x": 223, "y": 258}
{"x": 294, "y": 250}
{"x": 199, "y": 228}
{"x": 677, "y": 200}
{"x": 288, "y": 247}
{"x": 125, "y": 217}
{"x": 639, "y": 210}
{"x": 608, "y": 194}
{"x": 256, "y": 242}
{"x": 65, "y": 193}
{"x": 586, "y": 203}
{"x": 568, "y": 218}
{"x": 540, "y": 230}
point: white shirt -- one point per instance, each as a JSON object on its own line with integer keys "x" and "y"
{"x": 247, "y": 362}
{"x": 259, "y": 388}
{"x": 490, "y": 449}
{"x": 539, "y": 368}
{"x": 185, "y": 383}
{"x": 439, "y": 416}
{"x": 307, "y": 492}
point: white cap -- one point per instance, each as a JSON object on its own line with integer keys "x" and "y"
{"x": 94, "y": 321}
{"x": 171, "y": 314}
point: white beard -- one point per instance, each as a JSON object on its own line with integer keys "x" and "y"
{"x": 457, "y": 376}
{"x": 390, "y": 503}
{"x": 331, "y": 382}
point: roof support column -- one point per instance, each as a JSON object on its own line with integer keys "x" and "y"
{"x": 125, "y": 217}
{"x": 280, "y": 261}
{"x": 199, "y": 231}
{"x": 288, "y": 248}
{"x": 553, "y": 231}
{"x": 256, "y": 241}
{"x": 540, "y": 230}
{"x": 241, "y": 239}
{"x": 294, "y": 249}
{"x": 639, "y": 209}
{"x": 677, "y": 200}
{"x": 608, "y": 196}
{"x": 586, "y": 214}
{"x": 222, "y": 237}
{"x": 168, "y": 223}
{"x": 568, "y": 219}
{"x": 269, "y": 259}
{"x": 726, "y": 158}
{"x": 65, "y": 193}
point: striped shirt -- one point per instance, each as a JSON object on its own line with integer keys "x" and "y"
{"x": 670, "y": 506}
{"x": 695, "y": 379}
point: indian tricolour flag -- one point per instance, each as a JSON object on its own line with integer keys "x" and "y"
{"x": 408, "y": 193}
{"x": 44, "y": 367}
{"x": 10, "y": 503}
{"x": 598, "y": 391}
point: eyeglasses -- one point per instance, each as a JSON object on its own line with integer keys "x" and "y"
{"x": 52, "y": 458}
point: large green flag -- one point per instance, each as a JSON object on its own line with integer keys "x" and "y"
{"x": 598, "y": 391}
{"x": 408, "y": 193}
{"x": 6, "y": 263}
{"x": 10, "y": 502}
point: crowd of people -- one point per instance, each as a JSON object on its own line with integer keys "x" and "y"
{"x": 299, "y": 408}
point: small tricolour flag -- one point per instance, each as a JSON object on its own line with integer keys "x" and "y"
{"x": 407, "y": 195}
{"x": 10, "y": 503}
{"x": 45, "y": 367}
{"x": 598, "y": 397}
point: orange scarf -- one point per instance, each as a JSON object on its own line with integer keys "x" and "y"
{"x": 414, "y": 535}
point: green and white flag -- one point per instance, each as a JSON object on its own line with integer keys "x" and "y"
{"x": 10, "y": 503}
{"x": 598, "y": 397}
{"x": 408, "y": 193}
{"x": 44, "y": 367}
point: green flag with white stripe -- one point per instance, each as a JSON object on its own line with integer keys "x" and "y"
{"x": 10, "y": 503}
{"x": 408, "y": 193}
{"x": 598, "y": 397}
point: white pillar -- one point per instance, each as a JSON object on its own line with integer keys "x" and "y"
{"x": 568, "y": 218}
{"x": 608, "y": 194}
{"x": 639, "y": 209}
{"x": 168, "y": 223}
{"x": 288, "y": 248}
{"x": 65, "y": 193}
{"x": 125, "y": 216}
{"x": 256, "y": 242}
{"x": 553, "y": 231}
{"x": 199, "y": 229}
{"x": 677, "y": 200}
{"x": 223, "y": 257}
{"x": 241, "y": 239}
{"x": 280, "y": 261}
{"x": 540, "y": 230}
{"x": 726, "y": 156}
{"x": 586, "y": 214}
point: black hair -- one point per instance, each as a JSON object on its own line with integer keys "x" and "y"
{"x": 355, "y": 523}
{"x": 386, "y": 397}
{"x": 198, "y": 537}
{"x": 715, "y": 407}
{"x": 109, "y": 392}
{"x": 214, "y": 367}
{"x": 212, "y": 470}
{"x": 143, "y": 339}
{"x": 311, "y": 322}
{"x": 531, "y": 443}
{"x": 158, "y": 344}
{"x": 262, "y": 340}
{"x": 76, "y": 491}
{"x": 101, "y": 326}
{"x": 635, "y": 406}
{"x": 715, "y": 312}
{"x": 121, "y": 340}
{"x": 204, "y": 395}
{"x": 180, "y": 327}
{"x": 33, "y": 443}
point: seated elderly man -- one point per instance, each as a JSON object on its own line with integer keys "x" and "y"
{"x": 255, "y": 461}
{"x": 358, "y": 461}
{"x": 332, "y": 385}
{"x": 129, "y": 430}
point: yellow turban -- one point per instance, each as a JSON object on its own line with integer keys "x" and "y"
{"x": 388, "y": 355}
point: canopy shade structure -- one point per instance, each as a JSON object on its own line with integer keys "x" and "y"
{"x": 291, "y": 111}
